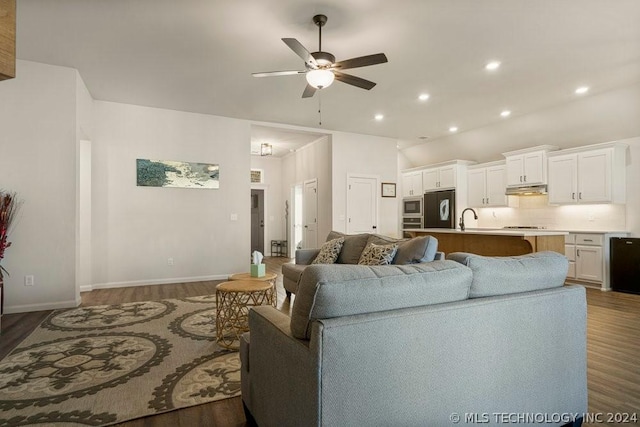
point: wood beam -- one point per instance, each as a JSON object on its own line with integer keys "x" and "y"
{"x": 7, "y": 39}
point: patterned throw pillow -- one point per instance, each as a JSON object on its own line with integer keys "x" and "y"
{"x": 378, "y": 254}
{"x": 329, "y": 251}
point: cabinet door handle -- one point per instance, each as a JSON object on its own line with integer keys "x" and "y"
{"x": 525, "y": 178}
{"x": 580, "y": 195}
{"x": 578, "y": 252}
{"x": 520, "y": 178}
{"x": 573, "y": 196}
{"x": 588, "y": 240}
{"x": 483, "y": 200}
{"x": 487, "y": 200}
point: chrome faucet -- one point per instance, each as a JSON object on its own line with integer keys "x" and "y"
{"x": 475, "y": 216}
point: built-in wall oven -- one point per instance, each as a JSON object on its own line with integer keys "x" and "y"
{"x": 411, "y": 222}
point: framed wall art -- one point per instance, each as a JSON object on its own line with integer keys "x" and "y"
{"x": 168, "y": 173}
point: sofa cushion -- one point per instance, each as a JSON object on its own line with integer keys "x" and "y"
{"x": 327, "y": 291}
{"x": 410, "y": 251}
{"x": 514, "y": 274}
{"x": 378, "y": 254}
{"x": 329, "y": 251}
{"x": 352, "y": 248}
{"x": 293, "y": 271}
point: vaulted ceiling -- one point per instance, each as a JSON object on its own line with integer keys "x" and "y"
{"x": 198, "y": 56}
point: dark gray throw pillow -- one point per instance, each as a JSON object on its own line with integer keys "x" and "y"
{"x": 352, "y": 248}
{"x": 418, "y": 249}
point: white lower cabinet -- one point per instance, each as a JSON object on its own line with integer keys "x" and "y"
{"x": 588, "y": 255}
{"x": 589, "y": 263}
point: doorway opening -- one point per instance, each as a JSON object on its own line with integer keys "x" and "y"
{"x": 257, "y": 221}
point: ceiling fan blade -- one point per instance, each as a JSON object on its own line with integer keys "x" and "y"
{"x": 301, "y": 51}
{"x": 277, "y": 73}
{"x": 353, "y": 80}
{"x": 309, "y": 91}
{"x": 362, "y": 61}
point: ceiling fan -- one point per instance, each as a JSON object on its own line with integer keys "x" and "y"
{"x": 322, "y": 68}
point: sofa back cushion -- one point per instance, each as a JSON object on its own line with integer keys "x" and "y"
{"x": 510, "y": 275}
{"x": 327, "y": 291}
{"x": 351, "y": 248}
{"x": 410, "y": 251}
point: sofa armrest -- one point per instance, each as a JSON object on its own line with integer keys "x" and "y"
{"x": 306, "y": 256}
{"x": 282, "y": 385}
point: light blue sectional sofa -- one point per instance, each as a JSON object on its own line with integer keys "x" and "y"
{"x": 465, "y": 339}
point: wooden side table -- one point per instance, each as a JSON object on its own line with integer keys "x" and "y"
{"x": 268, "y": 277}
{"x": 233, "y": 301}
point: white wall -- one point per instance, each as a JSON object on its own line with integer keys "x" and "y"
{"x": 633, "y": 186}
{"x": 274, "y": 215}
{"x": 368, "y": 155}
{"x": 136, "y": 229}
{"x": 38, "y": 143}
{"x": 84, "y": 128}
{"x": 313, "y": 161}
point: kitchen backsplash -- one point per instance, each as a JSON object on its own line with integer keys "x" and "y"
{"x": 535, "y": 211}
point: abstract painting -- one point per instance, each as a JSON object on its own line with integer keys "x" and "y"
{"x": 166, "y": 173}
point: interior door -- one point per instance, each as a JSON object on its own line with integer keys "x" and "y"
{"x": 257, "y": 221}
{"x": 362, "y": 207}
{"x": 310, "y": 214}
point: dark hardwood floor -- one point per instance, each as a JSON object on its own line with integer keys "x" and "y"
{"x": 613, "y": 346}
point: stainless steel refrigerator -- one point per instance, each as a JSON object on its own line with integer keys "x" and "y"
{"x": 440, "y": 209}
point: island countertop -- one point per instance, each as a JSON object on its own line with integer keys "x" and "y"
{"x": 494, "y": 242}
{"x": 493, "y": 231}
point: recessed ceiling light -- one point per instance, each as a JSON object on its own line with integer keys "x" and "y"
{"x": 379, "y": 117}
{"x": 423, "y": 96}
{"x": 505, "y": 113}
{"x": 453, "y": 129}
{"x": 493, "y": 65}
{"x": 582, "y": 90}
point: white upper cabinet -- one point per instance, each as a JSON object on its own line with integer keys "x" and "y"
{"x": 594, "y": 174}
{"x": 486, "y": 185}
{"x": 441, "y": 178}
{"x": 527, "y": 167}
{"x": 412, "y": 184}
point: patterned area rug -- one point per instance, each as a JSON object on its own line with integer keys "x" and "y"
{"x": 106, "y": 364}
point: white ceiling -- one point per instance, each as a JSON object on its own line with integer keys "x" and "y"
{"x": 198, "y": 56}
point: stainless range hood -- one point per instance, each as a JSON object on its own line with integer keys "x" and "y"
{"x": 530, "y": 190}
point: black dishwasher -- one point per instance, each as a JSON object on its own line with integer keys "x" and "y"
{"x": 625, "y": 264}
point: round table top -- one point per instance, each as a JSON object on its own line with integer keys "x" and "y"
{"x": 244, "y": 286}
{"x": 247, "y": 276}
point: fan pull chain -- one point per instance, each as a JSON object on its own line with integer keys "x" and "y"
{"x": 320, "y": 107}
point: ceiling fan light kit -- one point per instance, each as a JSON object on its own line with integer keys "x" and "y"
{"x": 320, "y": 79}
{"x": 321, "y": 68}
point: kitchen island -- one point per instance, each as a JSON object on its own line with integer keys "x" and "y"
{"x": 494, "y": 242}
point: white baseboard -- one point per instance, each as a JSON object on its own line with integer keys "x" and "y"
{"x": 89, "y": 288}
{"x": 11, "y": 309}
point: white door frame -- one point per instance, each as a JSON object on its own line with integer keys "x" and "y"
{"x": 293, "y": 213}
{"x": 377, "y": 185}
{"x": 304, "y": 184}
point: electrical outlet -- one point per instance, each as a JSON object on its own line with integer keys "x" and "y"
{"x": 169, "y": 261}
{"x": 29, "y": 280}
